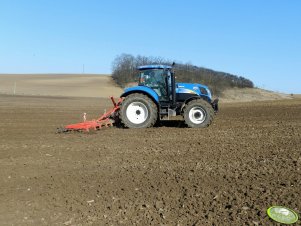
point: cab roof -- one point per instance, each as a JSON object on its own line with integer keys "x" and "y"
{"x": 157, "y": 66}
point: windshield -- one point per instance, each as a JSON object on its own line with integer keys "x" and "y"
{"x": 151, "y": 78}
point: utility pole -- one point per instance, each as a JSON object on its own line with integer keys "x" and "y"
{"x": 15, "y": 87}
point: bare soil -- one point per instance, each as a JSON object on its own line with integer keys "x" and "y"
{"x": 227, "y": 174}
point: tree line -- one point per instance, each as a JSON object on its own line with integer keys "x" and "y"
{"x": 125, "y": 71}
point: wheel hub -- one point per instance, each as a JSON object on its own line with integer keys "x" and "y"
{"x": 137, "y": 112}
{"x": 197, "y": 115}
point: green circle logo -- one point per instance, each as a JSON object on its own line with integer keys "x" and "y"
{"x": 282, "y": 214}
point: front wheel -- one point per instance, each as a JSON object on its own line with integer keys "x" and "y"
{"x": 198, "y": 113}
{"x": 138, "y": 111}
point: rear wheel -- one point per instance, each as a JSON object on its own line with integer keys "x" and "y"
{"x": 198, "y": 113}
{"x": 138, "y": 111}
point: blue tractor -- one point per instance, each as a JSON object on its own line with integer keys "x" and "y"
{"x": 158, "y": 95}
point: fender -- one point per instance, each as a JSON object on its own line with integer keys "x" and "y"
{"x": 142, "y": 89}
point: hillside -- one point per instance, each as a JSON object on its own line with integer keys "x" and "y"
{"x": 251, "y": 94}
{"x": 91, "y": 85}
{"x": 70, "y": 85}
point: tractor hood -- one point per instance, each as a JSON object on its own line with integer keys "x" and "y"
{"x": 193, "y": 88}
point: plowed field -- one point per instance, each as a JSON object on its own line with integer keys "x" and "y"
{"x": 227, "y": 174}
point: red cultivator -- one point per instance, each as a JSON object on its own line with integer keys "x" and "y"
{"x": 103, "y": 121}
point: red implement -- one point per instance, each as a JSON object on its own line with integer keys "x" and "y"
{"x": 103, "y": 121}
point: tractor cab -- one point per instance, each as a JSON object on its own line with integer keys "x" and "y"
{"x": 159, "y": 78}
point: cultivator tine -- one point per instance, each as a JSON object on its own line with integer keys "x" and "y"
{"x": 104, "y": 120}
{"x": 113, "y": 101}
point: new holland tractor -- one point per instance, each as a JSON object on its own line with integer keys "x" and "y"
{"x": 156, "y": 96}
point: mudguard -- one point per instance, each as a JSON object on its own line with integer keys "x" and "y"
{"x": 142, "y": 89}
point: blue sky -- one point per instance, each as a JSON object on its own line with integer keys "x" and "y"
{"x": 260, "y": 40}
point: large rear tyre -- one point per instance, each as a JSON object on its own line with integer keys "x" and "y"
{"x": 138, "y": 111}
{"x": 198, "y": 113}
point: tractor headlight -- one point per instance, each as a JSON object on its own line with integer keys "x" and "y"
{"x": 205, "y": 91}
{"x": 209, "y": 93}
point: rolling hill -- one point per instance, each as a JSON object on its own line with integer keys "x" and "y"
{"x": 94, "y": 85}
